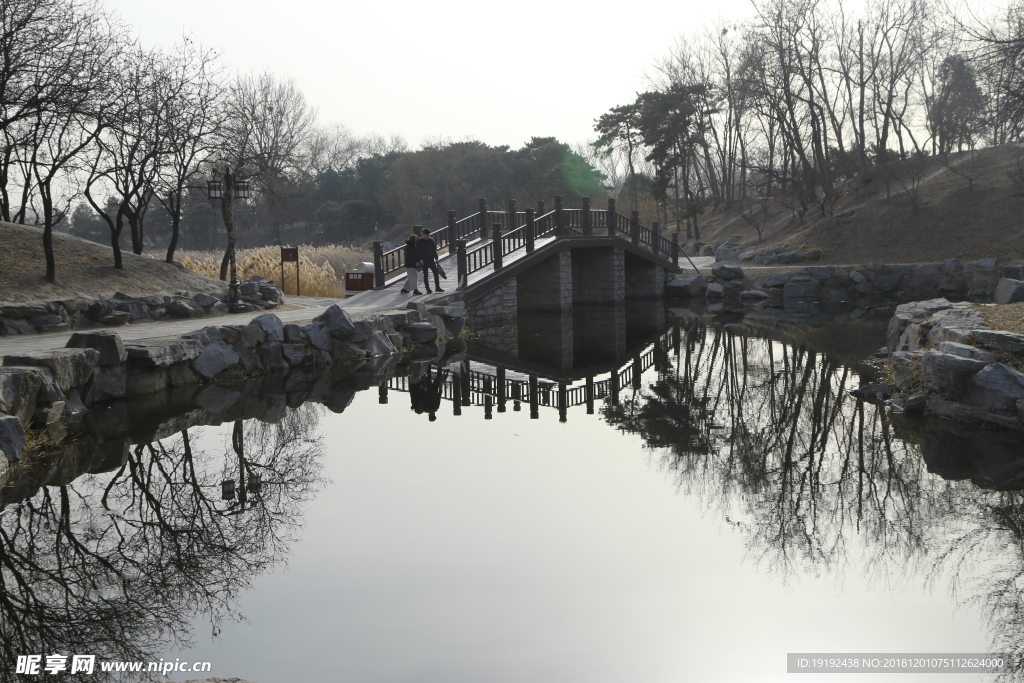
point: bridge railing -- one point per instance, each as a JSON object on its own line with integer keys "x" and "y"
{"x": 504, "y": 232}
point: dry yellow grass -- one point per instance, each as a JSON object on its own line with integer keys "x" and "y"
{"x": 315, "y": 280}
{"x": 1009, "y": 317}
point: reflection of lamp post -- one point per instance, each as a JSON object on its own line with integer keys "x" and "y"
{"x": 227, "y": 193}
{"x": 248, "y": 482}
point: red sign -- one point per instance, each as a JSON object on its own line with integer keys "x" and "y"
{"x": 290, "y": 254}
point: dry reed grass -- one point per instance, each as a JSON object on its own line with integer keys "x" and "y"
{"x": 315, "y": 280}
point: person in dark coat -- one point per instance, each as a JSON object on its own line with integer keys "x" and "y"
{"x": 427, "y": 251}
{"x": 412, "y": 265}
{"x": 431, "y": 396}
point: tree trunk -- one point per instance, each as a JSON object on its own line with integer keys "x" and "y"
{"x": 175, "y": 224}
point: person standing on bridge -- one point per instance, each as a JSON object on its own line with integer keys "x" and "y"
{"x": 412, "y": 265}
{"x": 427, "y": 251}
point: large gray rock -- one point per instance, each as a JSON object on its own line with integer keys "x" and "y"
{"x": 272, "y": 357}
{"x": 776, "y": 281}
{"x": 109, "y": 382}
{"x": 163, "y": 352}
{"x": 707, "y": 250}
{"x": 205, "y": 300}
{"x": 12, "y": 439}
{"x": 109, "y": 345}
{"x": 114, "y": 318}
{"x": 136, "y": 310}
{"x": 337, "y": 322}
{"x": 318, "y": 335}
{"x": 954, "y": 324}
{"x": 686, "y": 286}
{"x": 800, "y": 290}
{"x": 727, "y": 272}
{"x": 949, "y": 374}
{"x": 273, "y": 328}
{"x": 726, "y": 253}
{"x": 29, "y": 310}
{"x": 379, "y": 345}
{"x": 820, "y": 272}
{"x": 295, "y": 354}
{"x": 184, "y": 308}
{"x": 19, "y": 388}
{"x": 997, "y": 386}
{"x": 1000, "y": 340}
{"x": 215, "y": 358}
{"x": 965, "y": 351}
{"x": 422, "y": 333}
{"x": 714, "y": 290}
{"x": 915, "y": 311}
{"x": 70, "y": 367}
{"x": 1009, "y": 291}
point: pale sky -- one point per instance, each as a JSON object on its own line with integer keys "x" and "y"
{"x": 499, "y": 73}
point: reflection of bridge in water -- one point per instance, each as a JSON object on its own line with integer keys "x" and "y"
{"x": 492, "y": 380}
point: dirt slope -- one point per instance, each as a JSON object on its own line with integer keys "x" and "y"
{"x": 951, "y": 219}
{"x": 84, "y": 270}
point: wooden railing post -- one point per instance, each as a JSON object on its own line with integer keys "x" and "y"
{"x": 500, "y": 390}
{"x": 496, "y": 242}
{"x": 611, "y": 217}
{"x": 675, "y": 249}
{"x": 534, "y": 398}
{"x": 563, "y": 402}
{"x": 590, "y": 394}
{"x": 460, "y": 264}
{"x": 655, "y": 234}
{"x": 482, "y": 218}
{"x": 378, "y": 265}
{"x": 531, "y": 230}
{"x": 634, "y": 227}
{"x": 588, "y": 227}
{"x": 512, "y": 215}
{"x": 559, "y": 218}
{"x": 452, "y": 227}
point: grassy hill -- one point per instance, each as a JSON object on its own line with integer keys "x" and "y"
{"x": 951, "y": 219}
{"x": 84, "y": 270}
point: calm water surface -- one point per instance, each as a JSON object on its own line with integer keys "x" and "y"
{"x": 724, "y": 503}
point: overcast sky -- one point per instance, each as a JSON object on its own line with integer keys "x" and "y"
{"x": 496, "y": 72}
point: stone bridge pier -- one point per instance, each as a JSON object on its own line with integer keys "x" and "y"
{"x": 591, "y": 288}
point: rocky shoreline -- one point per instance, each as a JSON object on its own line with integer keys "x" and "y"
{"x": 50, "y": 388}
{"x": 81, "y": 314}
{"x": 945, "y": 361}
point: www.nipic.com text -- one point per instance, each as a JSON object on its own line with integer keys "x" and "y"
{"x": 86, "y": 664}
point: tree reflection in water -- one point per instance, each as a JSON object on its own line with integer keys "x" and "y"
{"x": 119, "y": 564}
{"x": 765, "y": 434}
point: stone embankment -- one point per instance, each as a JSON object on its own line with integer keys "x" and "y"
{"x": 945, "y": 361}
{"x": 860, "y": 285}
{"x": 732, "y": 250}
{"x": 52, "y": 387}
{"x": 81, "y": 314}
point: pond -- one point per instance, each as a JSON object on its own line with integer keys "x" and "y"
{"x": 651, "y": 498}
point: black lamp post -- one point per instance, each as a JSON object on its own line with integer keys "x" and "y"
{"x": 227, "y": 192}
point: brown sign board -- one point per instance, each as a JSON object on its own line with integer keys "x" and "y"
{"x": 290, "y": 254}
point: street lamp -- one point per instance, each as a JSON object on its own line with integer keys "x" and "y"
{"x": 227, "y": 191}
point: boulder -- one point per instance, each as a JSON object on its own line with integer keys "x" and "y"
{"x": 820, "y": 272}
{"x": 952, "y": 324}
{"x": 114, "y": 318}
{"x": 205, "y": 300}
{"x": 217, "y": 400}
{"x": 184, "y": 308}
{"x": 686, "y": 286}
{"x": 70, "y": 367}
{"x": 293, "y": 334}
{"x": 318, "y": 335}
{"x": 997, "y": 386}
{"x": 748, "y": 255}
{"x": 273, "y": 328}
{"x": 800, "y": 290}
{"x": 163, "y": 352}
{"x": 146, "y": 381}
{"x": 109, "y": 345}
{"x": 912, "y": 312}
{"x": 707, "y": 250}
{"x": 753, "y": 295}
{"x": 857, "y": 277}
{"x": 422, "y": 333}
{"x": 272, "y": 357}
{"x": 873, "y": 393}
{"x": 776, "y": 281}
{"x": 727, "y": 272}
{"x": 714, "y": 291}
{"x": 734, "y": 240}
{"x": 337, "y": 322}
{"x": 136, "y": 310}
{"x": 1000, "y": 340}
{"x": 30, "y": 310}
{"x": 108, "y": 382}
{"x": 837, "y": 296}
{"x": 15, "y": 326}
{"x": 215, "y": 358}
{"x": 19, "y": 389}
{"x": 965, "y": 351}
{"x": 1009, "y": 291}
{"x": 379, "y": 345}
{"x": 726, "y": 253}
{"x": 249, "y": 288}
{"x": 12, "y": 438}
{"x": 949, "y": 374}
{"x": 294, "y": 354}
